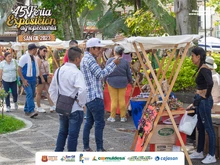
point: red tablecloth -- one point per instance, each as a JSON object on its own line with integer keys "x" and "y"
{"x": 107, "y": 99}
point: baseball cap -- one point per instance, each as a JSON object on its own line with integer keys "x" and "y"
{"x": 94, "y": 42}
{"x": 32, "y": 46}
{"x": 209, "y": 61}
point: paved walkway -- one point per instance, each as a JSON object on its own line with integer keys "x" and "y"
{"x": 19, "y": 148}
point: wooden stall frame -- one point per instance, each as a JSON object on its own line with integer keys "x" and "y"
{"x": 156, "y": 89}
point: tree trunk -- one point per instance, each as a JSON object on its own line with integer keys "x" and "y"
{"x": 186, "y": 23}
{"x": 66, "y": 30}
{"x": 74, "y": 22}
{"x": 166, "y": 20}
{"x": 193, "y": 19}
{"x": 65, "y": 23}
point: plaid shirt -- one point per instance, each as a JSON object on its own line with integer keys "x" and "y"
{"x": 94, "y": 75}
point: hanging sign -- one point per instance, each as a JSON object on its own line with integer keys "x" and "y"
{"x": 31, "y": 18}
{"x": 36, "y": 38}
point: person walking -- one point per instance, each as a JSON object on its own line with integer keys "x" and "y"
{"x": 72, "y": 43}
{"x": 71, "y": 83}
{"x": 94, "y": 75}
{"x": 28, "y": 71}
{"x": 8, "y": 77}
{"x": 43, "y": 78}
{"x": 203, "y": 103}
{"x": 117, "y": 84}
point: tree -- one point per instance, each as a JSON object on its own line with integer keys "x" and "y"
{"x": 143, "y": 23}
{"x": 72, "y": 15}
{"x": 5, "y": 9}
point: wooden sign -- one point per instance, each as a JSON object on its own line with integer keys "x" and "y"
{"x": 36, "y": 38}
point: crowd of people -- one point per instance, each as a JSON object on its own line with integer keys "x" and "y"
{"x": 82, "y": 75}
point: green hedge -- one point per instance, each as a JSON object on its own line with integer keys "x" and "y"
{"x": 185, "y": 80}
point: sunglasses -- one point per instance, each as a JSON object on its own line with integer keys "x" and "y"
{"x": 45, "y": 51}
{"x": 99, "y": 48}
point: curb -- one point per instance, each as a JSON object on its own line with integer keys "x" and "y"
{"x": 28, "y": 124}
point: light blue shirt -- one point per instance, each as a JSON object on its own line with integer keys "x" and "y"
{"x": 8, "y": 71}
{"x": 94, "y": 75}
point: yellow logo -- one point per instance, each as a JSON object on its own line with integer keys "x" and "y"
{"x": 31, "y": 18}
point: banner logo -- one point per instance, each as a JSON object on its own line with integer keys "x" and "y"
{"x": 32, "y": 18}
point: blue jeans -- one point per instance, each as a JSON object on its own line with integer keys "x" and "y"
{"x": 30, "y": 94}
{"x": 94, "y": 113}
{"x": 205, "y": 124}
{"x": 13, "y": 86}
{"x": 69, "y": 126}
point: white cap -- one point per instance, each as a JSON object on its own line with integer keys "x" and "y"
{"x": 94, "y": 42}
{"x": 209, "y": 61}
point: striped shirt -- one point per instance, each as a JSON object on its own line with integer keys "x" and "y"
{"x": 94, "y": 75}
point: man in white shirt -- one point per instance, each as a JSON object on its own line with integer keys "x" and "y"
{"x": 71, "y": 82}
{"x": 28, "y": 71}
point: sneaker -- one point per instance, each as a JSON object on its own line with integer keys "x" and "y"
{"x": 52, "y": 109}
{"x": 32, "y": 114}
{"x": 111, "y": 119}
{"x": 123, "y": 119}
{"x": 8, "y": 109}
{"x": 16, "y": 106}
{"x": 39, "y": 109}
{"x": 209, "y": 159}
{"x": 87, "y": 150}
{"x": 101, "y": 150}
{"x": 196, "y": 155}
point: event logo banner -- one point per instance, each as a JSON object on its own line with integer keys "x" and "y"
{"x": 32, "y": 18}
{"x": 128, "y": 158}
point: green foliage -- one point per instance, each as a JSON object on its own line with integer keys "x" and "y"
{"x": 143, "y": 23}
{"x": 111, "y": 24}
{"x": 3, "y": 95}
{"x": 185, "y": 80}
{"x": 215, "y": 4}
{"x": 10, "y": 124}
{"x": 216, "y": 56}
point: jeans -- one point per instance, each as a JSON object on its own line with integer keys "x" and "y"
{"x": 205, "y": 124}
{"x": 13, "y": 86}
{"x": 94, "y": 113}
{"x": 69, "y": 126}
{"x": 30, "y": 94}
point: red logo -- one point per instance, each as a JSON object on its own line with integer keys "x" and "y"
{"x": 44, "y": 158}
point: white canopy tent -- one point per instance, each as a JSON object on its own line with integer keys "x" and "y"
{"x": 212, "y": 44}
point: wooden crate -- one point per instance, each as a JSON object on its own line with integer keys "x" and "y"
{"x": 216, "y": 108}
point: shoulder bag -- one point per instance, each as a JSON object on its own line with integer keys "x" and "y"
{"x": 64, "y": 103}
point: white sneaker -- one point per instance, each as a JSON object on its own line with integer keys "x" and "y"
{"x": 8, "y": 109}
{"x": 52, "y": 108}
{"x": 196, "y": 155}
{"x": 123, "y": 119}
{"x": 39, "y": 109}
{"x": 209, "y": 159}
{"x": 16, "y": 106}
{"x": 111, "y": 119}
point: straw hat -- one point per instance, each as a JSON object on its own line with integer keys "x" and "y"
{"x": 210, "y": 62}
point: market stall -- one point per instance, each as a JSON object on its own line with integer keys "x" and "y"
{"x": 155, "y": 109}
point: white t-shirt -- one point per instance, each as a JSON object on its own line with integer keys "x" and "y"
{"x": 9, "y": 71}
{"x": 216, "y": 87}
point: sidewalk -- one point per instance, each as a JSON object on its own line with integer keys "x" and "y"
{"x": 19, "y": 148}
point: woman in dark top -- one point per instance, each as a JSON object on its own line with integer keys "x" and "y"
{"x": 117, "y": 84}
{"x": 203, "y": 103}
